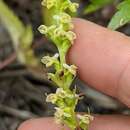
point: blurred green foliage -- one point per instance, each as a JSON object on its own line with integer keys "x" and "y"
{"x": 121, "y": 17}
{"x": 95, "y": 5}
{"x": 21, "y": 35}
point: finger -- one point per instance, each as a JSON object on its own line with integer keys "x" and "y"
{"x": 99, "y": 123}
{"x": 103, "y": 59}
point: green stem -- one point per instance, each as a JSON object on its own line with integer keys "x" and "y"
{"x": 63, "y": 49}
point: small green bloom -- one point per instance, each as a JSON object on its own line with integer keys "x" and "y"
{"x": 59, "y": 32}
{"x": 43, "y": 29}
{"x": 71, "y": 36}
{"x": 49, "y": 3}
{"x": 60, "y": 114}
{"x": 73, "y": 7}
{"x": 72, "y": 69}
{"x": 47, "y": 30}
{"x": 49, "y": 61}
{"x": 84, "y": 119}
{"x": 69, "y": 5}
{"x": 61, "y": 93}
{"x": 52, "y": 98}
{"x": 63, "y": 18}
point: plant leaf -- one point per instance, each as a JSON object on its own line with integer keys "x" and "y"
{"x": 122, "y": 16}
{"x": 21, "y": 35}
{"x": 95, "y": 5}
{"x": 27, "y": 37}
{"x": 14, "y": 26}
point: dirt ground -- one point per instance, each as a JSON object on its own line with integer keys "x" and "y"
{"x": 22, "y": 92}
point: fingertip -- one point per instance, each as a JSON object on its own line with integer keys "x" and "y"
{"x": 25, "y": 125}
{"x": 101, "y": 56}
{"x": 34, "y": 124}
{"x": 108, "y": 122}
{"x": 105, "y": 122}
{"x": 40, "y": 124}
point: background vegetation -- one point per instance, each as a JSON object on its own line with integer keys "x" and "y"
{"x": 23, "y": 81}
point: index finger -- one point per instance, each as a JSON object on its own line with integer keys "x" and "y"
{"x": 100, "y": 123}
{"x": 102, "y": 57}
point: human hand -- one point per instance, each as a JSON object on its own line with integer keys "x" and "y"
{"x": 103, "y": 60}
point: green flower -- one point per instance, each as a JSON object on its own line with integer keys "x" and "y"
{"x": 49, "y": 3}
{"x": 58, "y": 115}
{"x": 59, "y": 32}
{"x": 84, "y": 120}
{"x": 73, "y": 7}
{"x": 71, "y": 36}
{"x": 63, "y": 18}
{"x": 52, "y": 98}
{"x": 61, "y": 93}
{"x": 61, "y": 114}
{"x": 49, "y": 61}
{"x": 43, "y": 29}
{"x": 47, "y": 30}
{"x": 69, "y": 5}
{"x": 72, "y": 69}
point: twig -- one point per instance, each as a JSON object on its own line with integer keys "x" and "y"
{"x": 14, "y": 73}
{"x": 18, "y": 113}
{"x": 30, "y": 95}
{"x": 8, "y": 61}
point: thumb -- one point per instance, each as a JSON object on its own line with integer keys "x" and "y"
{"x": 102, "y": 57}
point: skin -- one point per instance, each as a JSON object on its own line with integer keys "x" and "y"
{"x": 103, "y": 60}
